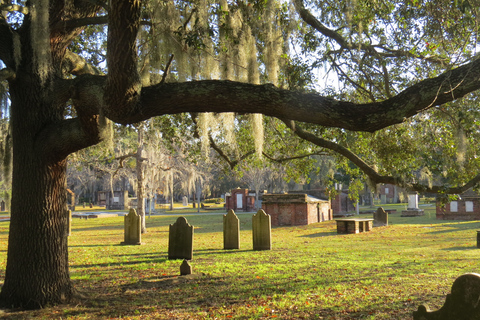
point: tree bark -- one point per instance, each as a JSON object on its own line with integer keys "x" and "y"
{"x": 37, "y": 263}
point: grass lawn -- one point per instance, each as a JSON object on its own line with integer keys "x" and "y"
{"x": 311, "y": 272}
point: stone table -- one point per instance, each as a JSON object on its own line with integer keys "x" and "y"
{"x": 354, "y": 225}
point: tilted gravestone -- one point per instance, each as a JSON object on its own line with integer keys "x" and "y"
{"x": 180, "y": 240}
{"x": 380, "y": 218}
{"x": 463, "y": 303}
{"x": 231, "y": 231}
{"x": 262, "y": 231}
{"x": 133, "y": 231}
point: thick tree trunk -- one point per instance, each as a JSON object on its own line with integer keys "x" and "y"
{"x": 37, "y": 264}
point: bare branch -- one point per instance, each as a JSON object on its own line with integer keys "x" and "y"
{"x": 302, "y": 156}
{"x": 167, "y": 67}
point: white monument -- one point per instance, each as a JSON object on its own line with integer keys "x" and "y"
{"x": 412, "y": 209}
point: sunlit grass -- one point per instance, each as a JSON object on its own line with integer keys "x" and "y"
{"x": 311, "y": 271}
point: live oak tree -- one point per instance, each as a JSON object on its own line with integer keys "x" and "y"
{"x": 60, "y": 104}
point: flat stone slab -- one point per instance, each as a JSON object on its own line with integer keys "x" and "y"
{"x": 354, "y": 225}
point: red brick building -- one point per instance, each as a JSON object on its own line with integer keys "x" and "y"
{"x": 466, "y": 207}
{"x": 388, "y": 193}
{"x": 296, "y": 209}
{"x": 240, "y": 200}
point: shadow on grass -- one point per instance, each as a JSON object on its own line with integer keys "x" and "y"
{"x": 320, "y": 234}
{"x": 459, "y": 248}
{"x": 117, "y": 227}
{"x": 93, "y": 245}
{"x": 122, "y": 263}
{"x": 458, "y": 226}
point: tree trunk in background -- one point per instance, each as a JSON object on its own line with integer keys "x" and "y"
{"x": 140, "y": 181}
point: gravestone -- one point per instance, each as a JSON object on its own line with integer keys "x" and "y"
{"x": 180, "y": 240}
{"x": 412, "y": 209}
{"x": 262, "y": 231}
{"x": 184, "y": 201}
{"x": 185, "y": 268}
{"x": 231, "y": 231}
{"x": 461, "y": 304}
{"x": 380, "y": 218}
{"x": 2, "y": 205}
{"x": 132, "y": 228}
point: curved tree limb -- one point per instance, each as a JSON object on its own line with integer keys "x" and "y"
{"x": 374, "y": 176}
{"x": 127, "y": 102}
{"x": 77, "y": 65}
{"x": 302, "y": 156}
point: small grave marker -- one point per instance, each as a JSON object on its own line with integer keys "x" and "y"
{"x": 380, "y": 218}
{"x": 180, "y": 240}
{"x": 132, "y": 228}
{"x": 184, "y": 201}
{"x": 185, "y": 268}
{"x": 262, "y": 231}
{"x": 231, "y": 231}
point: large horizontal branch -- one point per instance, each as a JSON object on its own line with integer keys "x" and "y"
{"x": 374, "y": 176}
{"x": 127, "y": 102}
{"x": 58, "y": 140}
{"x": 228, "y": 96}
